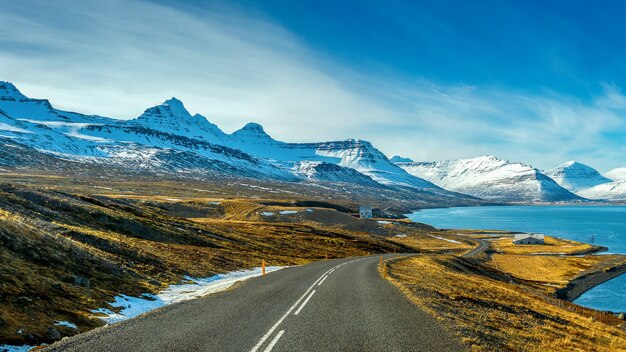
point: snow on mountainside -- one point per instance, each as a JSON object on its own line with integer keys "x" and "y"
{"x": 36, "y": 124}
{"x": 172, "y": 117}
{"x": 575, "y": 176}
{"x": 491, "y": 178}
{"x": 613, "y": 191}
{"x": 166, "y": 139}
{"x": 399, "y": 159}
{"x": 19, "y": 106}
{"x": 321, "y": 171}
{"x": 618, "y": 174}
{"x": 354, "y": 154}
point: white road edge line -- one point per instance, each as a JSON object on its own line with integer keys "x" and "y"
{"x": 271, "y": 345}
{"x": 325, "y": 277}
{"x": 304, "y": 303}
{"x": 271, "y": 330}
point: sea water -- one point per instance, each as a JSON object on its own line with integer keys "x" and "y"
{"x": 602, "y": 225}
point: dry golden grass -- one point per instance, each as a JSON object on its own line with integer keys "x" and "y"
{"x": 552, "y": 245}
{"x": 132, "y": 246}
{"x": 490, "y": 314}
{"x": 551, "y": 271}
{"x": 435, "y": 242}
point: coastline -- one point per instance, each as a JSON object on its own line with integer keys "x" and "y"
{"x": 578, "y": 286}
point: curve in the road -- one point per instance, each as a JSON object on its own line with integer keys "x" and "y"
{"x": 337, "y": 305}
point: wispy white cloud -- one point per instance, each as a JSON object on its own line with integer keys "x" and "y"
{"x": 116, "y": 58}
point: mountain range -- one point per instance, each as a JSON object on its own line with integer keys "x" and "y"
{"x": 167, "y": 141}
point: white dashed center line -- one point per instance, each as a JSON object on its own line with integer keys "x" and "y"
{"x": 304, "y": 303}
{"x": 276, "y": 338}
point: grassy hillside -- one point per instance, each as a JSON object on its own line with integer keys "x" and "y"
{"x": 63, "y": 254}
{"x": 492, "y": 313}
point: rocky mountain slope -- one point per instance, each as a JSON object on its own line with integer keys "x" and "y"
{"x": 167, "y": 140}
{"x": 575, "y": 176}
{"x": 491, "y": 178}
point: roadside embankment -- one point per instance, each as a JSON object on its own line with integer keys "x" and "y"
{"x": 491, "y": 313}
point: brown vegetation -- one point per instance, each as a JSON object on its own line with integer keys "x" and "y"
{"x": 63, "y": 254}
{"x": 491, "y": 314}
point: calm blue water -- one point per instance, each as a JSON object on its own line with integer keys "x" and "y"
{"x": 606, "y": 223}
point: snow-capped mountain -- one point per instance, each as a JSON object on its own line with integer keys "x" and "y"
{"x": 322, "y": 171}
{"x": 19, "y": 106}
{"x": 359, "y": 155}
{"x": 167, "y": 140}
{"x": 491, "y": 178}
{"x": 575, "y": 176}
{"x": 618, "y": 174}
{"x": 172, "y": 117}
{"x": 613, "y": 191}
{"x": 399, "y": 159}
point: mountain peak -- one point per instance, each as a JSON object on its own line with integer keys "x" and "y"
{"x": 169, "y": 109}
{"x": 399, "y": 159}
{"x": 171, "y": 116}
{"x": 253, "y": 127}
{"x": 173, "y": 101}
{"x": 8, "y": 91}
{"x": 576, "y": 176}
{"x": 252, "y": 130}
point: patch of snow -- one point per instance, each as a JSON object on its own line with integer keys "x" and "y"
{"x": 444, "y": 239}
{"x": 65, "y": 323}
{"x": 11, "y": 348}
{"x": 134, "y": 306}
{"x": 401, "y": 235}
{"x": 215, "y": 203}
{"x": 287, "y": 212}
{"x": 383, "y": 222}
{"x": 204, "y": 190}
{"x": 267, "y": 213}
{"x": 10, "y": 128}
{"x": 491, "y": 178}
{"x": 310, "y": 210}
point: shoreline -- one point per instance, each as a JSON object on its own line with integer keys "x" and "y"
{"x": 578, "y": 286}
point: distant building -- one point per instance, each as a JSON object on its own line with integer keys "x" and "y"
{"x": 365, "y": 212}
{"x": 529, "y": 238}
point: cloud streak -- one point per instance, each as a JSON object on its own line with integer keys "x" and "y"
{"x": 116, "y": 58}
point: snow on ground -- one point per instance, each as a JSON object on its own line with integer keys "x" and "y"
{"x": 310, "y": 210}
{"x": 383, "y": 222}
{"x": 65, "y": 323}
{"x": 10, "y": 348}
{"x": 444, "y": 239}
{"x": 267, "y": 213}
{"x": 287, "y": 212}
{"x": 196, "y": 288}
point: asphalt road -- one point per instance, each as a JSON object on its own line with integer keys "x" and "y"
{"x": 335, "y": 305}
{"x": 482, "y": 246}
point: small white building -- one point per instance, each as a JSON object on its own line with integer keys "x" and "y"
{"x": 365, "y": 212}
{"x": 529, "y": 238}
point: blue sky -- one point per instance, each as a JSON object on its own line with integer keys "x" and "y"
{"x": 533, "y": 81}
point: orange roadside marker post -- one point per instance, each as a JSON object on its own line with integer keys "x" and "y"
{"x": 381, "y": 259}
{"x": 263, "y": 266}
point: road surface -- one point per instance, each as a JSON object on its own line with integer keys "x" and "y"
{"x": 482, "y": 246}
{"x": 335, "y": 305}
